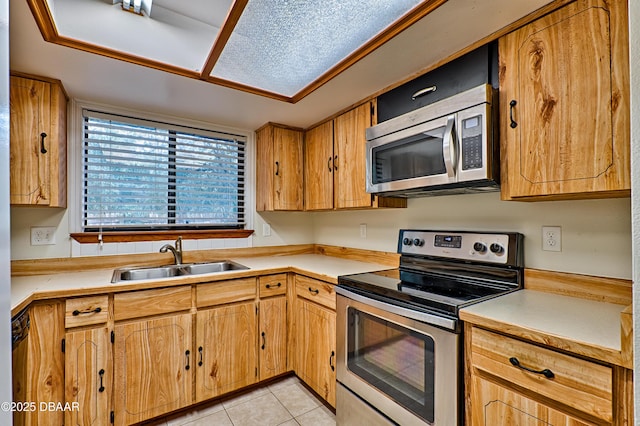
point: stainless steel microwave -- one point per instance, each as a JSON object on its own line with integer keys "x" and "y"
{"x": 449, "y": 146}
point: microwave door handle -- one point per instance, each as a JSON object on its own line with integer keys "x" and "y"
{"x": 449, "y": 147}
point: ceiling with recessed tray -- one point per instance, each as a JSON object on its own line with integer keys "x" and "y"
{"x": 245, "y": 62}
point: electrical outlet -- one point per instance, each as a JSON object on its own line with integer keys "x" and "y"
{"x": 551, "y": 238}
{"x": 363, "y": 230}
{"x": 43, "y": 235}
{"x": 266, "y": 230}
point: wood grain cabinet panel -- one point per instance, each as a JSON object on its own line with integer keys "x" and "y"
{"x": 564, "y": 96}
{"x": 88, "y": 377}
{"x": 273, "y": 337}
{"x": 317, "y": 291}
{"x": 153, "y": 367}
{"x": 226, "y": 352}
{"x": 82, "y": 311}
{"x": 335, "y": 163}
{"x": 315, "y": 348}
{"x": 279, "y": 170}
{"x": 38, "y": 171}
{"x": 272, "y": 285}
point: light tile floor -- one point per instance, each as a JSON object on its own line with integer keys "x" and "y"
{"x": 286, "y": 403}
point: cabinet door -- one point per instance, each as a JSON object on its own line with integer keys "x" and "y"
{"x": 273, "y": 337}
{"x": 350, "y": 158}
{"x": 88, "y": 377}
{"x": 318, "y": 167}
{"x": 566, "y": 133}
{"x": 153, "y": 360}
{"x": 226, "y": 353}
{"x": 287, "y": 181}
{"x": 315, "y": 348}
{"x": 264, "y": 169}
{"x": 30, "y": 101}
{"x": 492, "y": 404}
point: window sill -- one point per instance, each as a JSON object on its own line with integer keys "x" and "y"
{"x": 133, "y": 236}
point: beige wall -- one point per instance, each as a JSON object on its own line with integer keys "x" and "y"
{"x": 596, "y": 234}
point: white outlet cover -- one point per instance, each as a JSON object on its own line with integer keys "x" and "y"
{"x": 551, "y": 238}
{"x": 43, "y": 235}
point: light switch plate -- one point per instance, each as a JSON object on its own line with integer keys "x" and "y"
{"x": 43, "y": 235}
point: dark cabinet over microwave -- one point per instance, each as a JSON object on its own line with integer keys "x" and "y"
{"x": 473, "y": 69}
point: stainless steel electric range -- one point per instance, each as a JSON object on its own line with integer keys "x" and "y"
{"x": 399, "y": 336}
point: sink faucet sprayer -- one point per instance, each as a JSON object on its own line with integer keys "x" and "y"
{"x": 177, "y": 250}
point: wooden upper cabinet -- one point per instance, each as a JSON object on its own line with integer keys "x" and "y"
{"x": 335, "y": 163}
{"x": 279, "y": 176}
{"x": 564, "y": 99}
{"x": 318, "y": 167}
{"x": 38, "y": 169}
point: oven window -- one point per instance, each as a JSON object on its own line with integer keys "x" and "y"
{"x": 397, "y": 361}
{"x": 416, "y": 156}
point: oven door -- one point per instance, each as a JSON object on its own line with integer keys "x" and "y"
{"x": 406, "y": 369}
{"x": 418, "y": 156}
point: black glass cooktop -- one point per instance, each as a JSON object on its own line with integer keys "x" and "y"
{"x": 442, "y": 293}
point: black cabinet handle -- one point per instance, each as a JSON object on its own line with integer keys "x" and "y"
{"x": 513, "y": 122}
{"x": 277, "y": 168}
{"x": 42, "y": 148}
{"x": 335, "y": 162}
{"x": 546, "y": 372}
{"x": 88, "y": 311}
{"x": 314, "y": 291}
{"x": 333, "y": 354}
{"x": 264, "y": 340}
{"x": 187, "y": 353}
{"x": 329, "y": 165}
{"x": 101, "y": 374}
{"x": 273, "y": 285}
{"x": 200, "y": 352}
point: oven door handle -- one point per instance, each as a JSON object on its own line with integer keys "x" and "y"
{"x": 432, "y": 319}
{"x": 450, "y": 147}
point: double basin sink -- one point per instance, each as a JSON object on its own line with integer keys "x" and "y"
{"x": 168, "y": 271}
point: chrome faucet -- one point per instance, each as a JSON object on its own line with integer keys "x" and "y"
{"x": 177, "y": 250}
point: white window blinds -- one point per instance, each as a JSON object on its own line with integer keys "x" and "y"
{"x": 146, "y": 175}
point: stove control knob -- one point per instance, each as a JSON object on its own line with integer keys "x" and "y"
{"x": 480, "y": 247}
{"x": 496, "y": 248}
{"x": 418, "y": 242}
{"x": 407, "y": 241}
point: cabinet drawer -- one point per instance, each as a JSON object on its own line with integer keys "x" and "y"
{"x": 577, "y": 383}
{"x": 272, "y": 285}
{"x": 82, "y": 311}
{"x": 317, "y": 291}
{"x": 135, "y": 304}
{"x": 221, "y": 292}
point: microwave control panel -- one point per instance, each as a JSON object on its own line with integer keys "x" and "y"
{"x": 471, "y": 133}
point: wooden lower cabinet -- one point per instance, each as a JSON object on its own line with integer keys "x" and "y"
{"x": 315, "y": 348}
{"x": 153, "y": 361}
{"x": 226, "y": 355}
{"x": 273, "y": 337}
{"x": 492, "y": 404}
{"x": 88, "y": 377}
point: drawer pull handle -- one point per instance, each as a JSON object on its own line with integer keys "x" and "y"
{"x": 274, "y": 285}
{"x": 333, "y": 354}
{"x": 546, "y": 372}
{"x": 423, "y": 92}
{"x": 200, "y": 352}
{"x": 277, "y": 168}
{"x": 264, "y": 340}
{"x": 101, "y": 374}
{"x": 187, "y": 353}
{"x": 88, "y": 311}
{"x": 314, "y": 291}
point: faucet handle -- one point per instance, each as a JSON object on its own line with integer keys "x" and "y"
{"x": 179, "y": 243}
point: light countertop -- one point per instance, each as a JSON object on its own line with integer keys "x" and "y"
{"x": 328, "y": 268}
{"x": 581, "y": 326}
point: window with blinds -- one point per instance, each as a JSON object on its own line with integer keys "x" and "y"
{"x": 145, "y": 175}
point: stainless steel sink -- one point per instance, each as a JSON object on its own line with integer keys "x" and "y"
{"x": 167, "y": 271}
